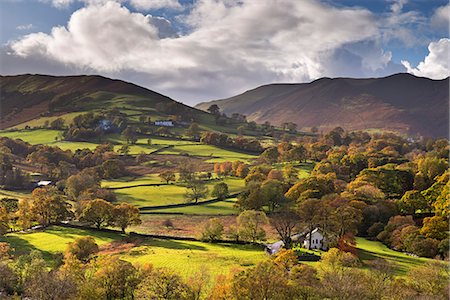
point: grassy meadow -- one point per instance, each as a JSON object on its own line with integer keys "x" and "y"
{"x": 184, "y": 257}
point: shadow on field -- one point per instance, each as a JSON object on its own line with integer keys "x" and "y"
{"x": 22, "y": 247}
{"x": 172, "y": 244}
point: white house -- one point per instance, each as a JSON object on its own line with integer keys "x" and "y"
{"x": 317, "y": 240}
{"x": 166, "y": 123}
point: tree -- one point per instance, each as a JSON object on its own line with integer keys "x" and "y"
{"x": 270, "y": 155}
{"x": 250, "y": 224}
{"x": 78, "y": 183}
{"x": 24, "y": 215}
{"x": 187, "y": 169}
{"x": 167, "y": 176}
{"x": 97, "y": 212}
{"x": 162, "y": 284}
{"x": 265, "y": 281}
{"x": 117, "y": 277}
{"x": 82, "y": 248}
{"x": 212, "y": 230}
{"x": 196, "y": 189}
{"x": 129, "y": 134}
{"x": 307, "y": 210}
{"x": 430, "y": 280}
{"x": 113, "y": 168}
{"x": 125, "y": 215}
{"x": 49, "y": 206}
{"x": 214, "y": 109}
{"x": 4, "y": 220}
{"x": 284, "y": 223}
{"x": 290, "y": 174}
{"x": 435, "y": 227}
{"x": 272, "y": 193}
{"x": 220, "y": 191}
{"x": 413, "y": 201}
{"x": 193, "y": 130}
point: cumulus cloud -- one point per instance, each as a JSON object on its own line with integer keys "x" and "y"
{"x": 138, "y": 4}
{"x": 231, "y": 45}
{"x": 436, "y": 63}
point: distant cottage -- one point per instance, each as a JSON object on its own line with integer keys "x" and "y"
{"x": 165, "y": 123}
{"x": 318, "y": 241}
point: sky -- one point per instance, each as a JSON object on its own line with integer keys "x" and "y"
{"x": 200, "y": 50}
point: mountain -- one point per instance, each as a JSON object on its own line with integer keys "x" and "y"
{"x": 401, "y": 102}
{"x": 26, "y": 97}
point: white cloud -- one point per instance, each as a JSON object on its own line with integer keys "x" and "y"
{"x": 232, "y": 45}
{"x": 397, "y": 5}
{"x": 24, "y": 27}
{"x": 436, "y": 63}
{"x": 156, "y": 4}
{"x": 441, "y": 16}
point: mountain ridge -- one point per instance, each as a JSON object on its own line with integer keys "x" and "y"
{"x": 394, "y": 102}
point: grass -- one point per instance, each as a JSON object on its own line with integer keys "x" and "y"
{"x": 53, "y": 240}
{"x": 14, "y": 194}
{"x": 184, "y": 257}
{"x": 38, "y": 136}
{"x": 161, "y": 195}
{"x": 217, "y": 154}
{"x": 39, "y": 122}
{"x": 369, "y": 250}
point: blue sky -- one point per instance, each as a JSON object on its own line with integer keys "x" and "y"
{"x": 200, "y": 50}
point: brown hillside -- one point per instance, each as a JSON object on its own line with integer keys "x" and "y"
{"x": 25, "y": 97}
{"x": 401, "y": 102}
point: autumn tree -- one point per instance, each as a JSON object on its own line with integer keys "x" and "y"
{"x": 284, "y": 222}
{"x": 413, "y": 201}
{"x": 4, "y": 220}
{"x": 265, "y": 281}
{"x": 250, "y": 225}
{"x": 220, "y": 191}
{"x": 125, "y": 215}
{"x": 24, "y": 214}
{"x": 163, "y": 284}
{"x": 435, "y": 227}
{"x": 97, "y": 212}
{"x": 167, "y": 176}
{"x": 49, "y": 206}
{"x": 196, "y": 189}
{"x": 193, "y": 130}
{"x": 118, "y": 278}
{"x": 307, "y": 210}
{"x": 82, "y": 248}
{"x": 212, "y": 230}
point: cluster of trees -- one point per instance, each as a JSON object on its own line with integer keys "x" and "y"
{"x": 363, "y": 180}
{"x": 83, "y": 274}
{"x": 249, "y": 227}
{"x": 50, "y": 206}
{"x": 335, "y": 278}
{"x": 88, "y": 126}
{"x": 284, "y": 152}
{"x": 223, "y": 140}
{"x": 236, "y": 168}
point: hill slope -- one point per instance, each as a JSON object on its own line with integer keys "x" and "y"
{"x": 26, "y": 97}
{"x": 401, "y": 102}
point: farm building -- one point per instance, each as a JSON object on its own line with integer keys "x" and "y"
{"x": 318, "y": 241}
{"x": 165, "y": 123}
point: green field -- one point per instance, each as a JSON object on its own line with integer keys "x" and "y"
{"x": 217, "y": 154}
{"x": 225, "y": 207}
{"x": 14, "y": 194}
{"x": 369, "y": 250}
{"x": 40, "y": 122}
{"x": 184, "y": 257}
{"x": 161, "y": 195}
{"x": 38, "y": 136}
